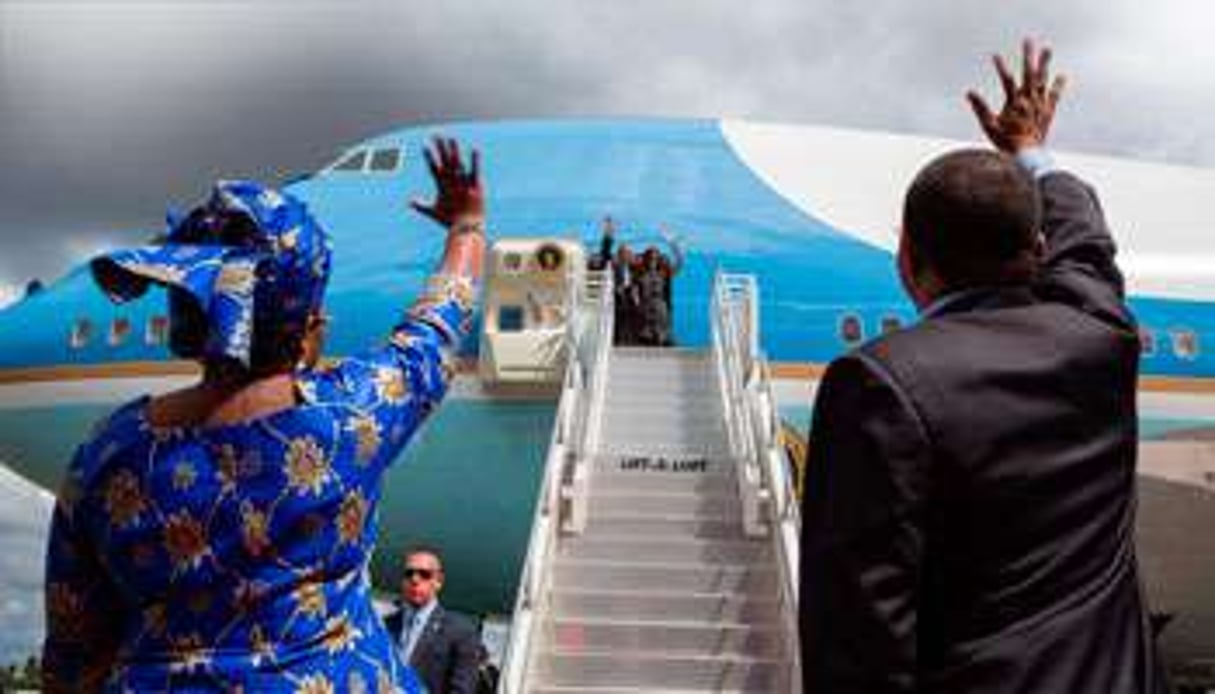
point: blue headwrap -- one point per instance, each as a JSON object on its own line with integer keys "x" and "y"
{"x": 276, "y": 277}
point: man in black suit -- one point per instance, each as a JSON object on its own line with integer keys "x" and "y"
{"x": 968, "y": 514}
{"x": 440, "y": 645}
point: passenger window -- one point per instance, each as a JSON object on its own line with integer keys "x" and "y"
{"x": 512, "y": 261}
{"x": 385, "y": 160}
{"x": 1147, "y": 342}
{"x": 1185, "y": 344}
{"x": 119, "y": 329}
{"x": 890, "y": 324}
{"x": 157, "y": 331}
{"x": 82, "y": 330}
{"x": 510, "y": 319}
{"x": 851, "y": 330}
{"x": 354, "y": 162}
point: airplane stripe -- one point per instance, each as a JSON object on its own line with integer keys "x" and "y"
{"x": 800, "y": 371}
{"x": 80, "y": 372}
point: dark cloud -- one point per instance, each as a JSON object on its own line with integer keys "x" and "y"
{"x": 110, "y": 110}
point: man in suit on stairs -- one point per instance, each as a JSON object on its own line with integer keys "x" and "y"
{"x": 440, "y": 645}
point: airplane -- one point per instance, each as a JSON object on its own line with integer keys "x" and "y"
{"x": 810, "y": 211}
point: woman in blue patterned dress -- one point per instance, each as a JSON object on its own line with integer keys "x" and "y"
{"x": 217, "y": 538}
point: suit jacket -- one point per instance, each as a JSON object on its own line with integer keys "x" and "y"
{"x": 445, "y": 656}
{"x": 968, "y": 514}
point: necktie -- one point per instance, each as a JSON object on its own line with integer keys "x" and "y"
{"x": 409, "y": 636}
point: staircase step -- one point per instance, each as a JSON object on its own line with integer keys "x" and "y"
{"x": 640, "y": 353}
{"x": 642, "y": 439}
{"x": 633, "y": 443}
{"x": 665, "y": 606}
{"x": 704, "y": 370}
{"x": 664, "y": 371}
{"x": 629, "y": 420}
{"x": 682, "y": 425}
{"x": 677, "y": 409}
{"x": 625, "y": 387}
{"x": 701, "y": 577}
{"x": 645, "y": 669}
{"x": 601, "y": 635}
{"x": 713, "y": 448}
{"x": 689, "y": 503}
{"x": 679, "y": 550}
{"x": 623, "y": 363}
{"x": 693, "y": 406}
{"x": 621, "y": 482}
{"x": 687, "y": 357}
{"x": 665, "y": 526}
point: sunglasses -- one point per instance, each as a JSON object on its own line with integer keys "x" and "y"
{"x": 424, "y": 574}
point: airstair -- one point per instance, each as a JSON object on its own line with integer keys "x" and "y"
{"x": 663, "y": 555}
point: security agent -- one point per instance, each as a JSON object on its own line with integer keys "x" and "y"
{"x": 440, "y": 645}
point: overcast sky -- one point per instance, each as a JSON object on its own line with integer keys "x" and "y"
{"x": 111, "y": 110}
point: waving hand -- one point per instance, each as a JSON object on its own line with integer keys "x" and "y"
{"x": 1029, "y": 107}
{"x": 459, "y": 196}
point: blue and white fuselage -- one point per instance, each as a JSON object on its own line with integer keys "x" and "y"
{"x": 813, "y": 212}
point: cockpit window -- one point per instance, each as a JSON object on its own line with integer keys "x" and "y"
{"x": 890, "y": 323}
{"x": 354, "y": 162}
{"x": 385, "y": 160}
{"x": 82, "y": 330}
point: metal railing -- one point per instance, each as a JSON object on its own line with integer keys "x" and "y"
{"x": 575, "y": 492}
{"x": 765, "y": 485}
{"x": 734, "y": 320}
{"x": 566, "y": 477}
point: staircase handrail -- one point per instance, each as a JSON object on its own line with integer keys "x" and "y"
{"x": 599, "y": 358}
{"x": 769, "y": 503}
{"x": 566, "y": 445}
{"x": 576, "y": 491}
{"x": 784, "y": 512}
{"x": 732, "y": 353}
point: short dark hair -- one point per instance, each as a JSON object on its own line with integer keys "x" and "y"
{"x": 972, "y": 217}
{"x": 424, "y": 549}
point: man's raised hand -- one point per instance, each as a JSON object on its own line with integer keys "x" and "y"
{"x": 1029, "y": 108}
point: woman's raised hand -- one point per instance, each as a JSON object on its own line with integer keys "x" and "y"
{"x": 459, "y": 197}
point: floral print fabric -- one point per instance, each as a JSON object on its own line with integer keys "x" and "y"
{"x": 235, "y": 558}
